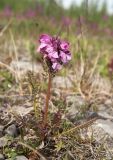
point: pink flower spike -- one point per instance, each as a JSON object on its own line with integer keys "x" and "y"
{"x": 55, "y": 51}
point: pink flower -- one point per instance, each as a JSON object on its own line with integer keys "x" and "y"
{"x": 8, "y": 11}
{"x": 56, "y": 66}
{"x": 44, "y": 38}
{"x": 30, "y": 13}
{"x": 55, "y": 51}
{"x": 66, "y": 21}
{"x": 64, "y": 45}
{"x": 65, "y": 57}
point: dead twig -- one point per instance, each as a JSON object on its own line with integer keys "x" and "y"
{"x": 7, "y": 67}
{"x": 84, "y": 125}
{"x": 5, "y": 28}
{"x": 32, "y": 149}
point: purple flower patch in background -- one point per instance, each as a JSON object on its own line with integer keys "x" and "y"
{"x": 30, "y": 13}
{"x": 7, "y": 12}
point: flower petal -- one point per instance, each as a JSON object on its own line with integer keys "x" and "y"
{"x": 68, "y": 57}
{"x": 44, "y": 38}
{"x": 63, "y": 57}
{"x": 64, "y": 45}
{"x": 53, "y": 54}
{"x": 56, "y": 66}
{"x": 49, "y": 49}
{"x": 42, "y": 45}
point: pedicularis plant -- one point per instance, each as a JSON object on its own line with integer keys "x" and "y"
{"x": 55, "y": 53}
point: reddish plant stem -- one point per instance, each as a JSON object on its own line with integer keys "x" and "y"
{"x": 47, "y": 101}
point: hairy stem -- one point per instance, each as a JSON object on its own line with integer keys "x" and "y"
{"x": 47, "y": 100}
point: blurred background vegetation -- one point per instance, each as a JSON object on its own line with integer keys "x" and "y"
{"x": 30, "y": 18}
{"x": 56, "y": 17}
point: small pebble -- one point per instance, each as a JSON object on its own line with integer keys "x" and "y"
{"x": 12, "y": 131}
{"x": 21, "y": 158}
{"x": 2, "y": 157}
{"x": 1, "y": 130}
{"x": 3, "y": 142}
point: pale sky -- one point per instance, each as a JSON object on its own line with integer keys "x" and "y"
{"x": 67, "y": 3}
